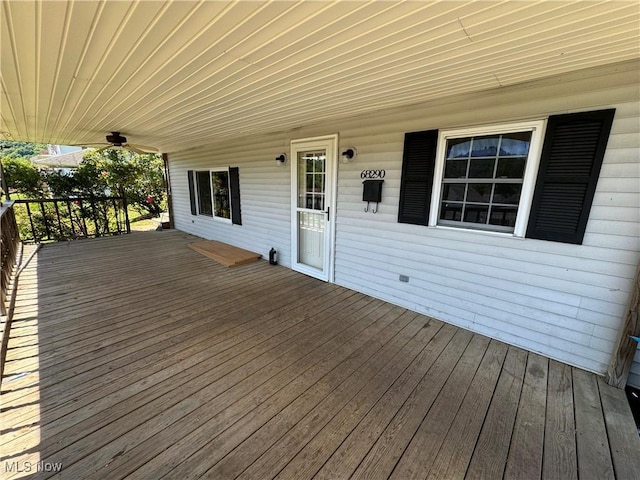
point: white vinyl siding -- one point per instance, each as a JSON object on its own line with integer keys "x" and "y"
{"x": 564, "y": 301}
{"x": 264, "y": 196}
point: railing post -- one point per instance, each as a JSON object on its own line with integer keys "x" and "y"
{"x": 95, "y": 215}
{"x": 3, "y": 183}
{"x": 126, "y": 214}
{"x": 61, "y": 234}
{"x": 85, "y": 230}
{"x": 73, "y": 230}
{"x": 33, "y": 229}
{"x": 115, "y": 214}
{"x": 44, "y": 219}
{"x": 626, "y": 347}
{"x": 104, "y": 206}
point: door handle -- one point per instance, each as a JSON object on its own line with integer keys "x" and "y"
{"x": 328, "y": 212}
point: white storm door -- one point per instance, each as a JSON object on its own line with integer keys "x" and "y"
{"x": 313, "y": 167}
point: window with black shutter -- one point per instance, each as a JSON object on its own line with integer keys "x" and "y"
{"x": 570, "y": 163}
{"x": 418, "y": 163}
{"x": 216, "y": 193}
{"x": 507, "y": 178}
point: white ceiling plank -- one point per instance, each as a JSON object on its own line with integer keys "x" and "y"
{"x": 545, "y": 16}
{"x": 8, "y": 124}
{"x": 278, "y": 69}
{"x": 170, "y": 74}
{"x": 103, "y": 24}
{"x": 200, "y": 77}
{"x": 16, "y": 65}
{"x": 126, "y": 39}
{"x": 466, "y": 65}
{"x": 228, "y": 21}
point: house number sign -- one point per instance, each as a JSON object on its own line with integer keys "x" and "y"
{"x": 372, "y": 174}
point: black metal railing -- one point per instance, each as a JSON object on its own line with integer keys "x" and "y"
{"x": 54, "y": 219}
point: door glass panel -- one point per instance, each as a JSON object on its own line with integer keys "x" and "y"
{"x": 311, "y": 179}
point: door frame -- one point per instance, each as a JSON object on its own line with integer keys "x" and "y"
{"x": 330, "y": 143}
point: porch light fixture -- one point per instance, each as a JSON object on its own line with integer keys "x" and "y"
{"x": 348, "y": 155}
{"x": 280, "y": 160}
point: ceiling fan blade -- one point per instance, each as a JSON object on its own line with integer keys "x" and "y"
{"x": 143, "y": 148}
{"x": 128, "y": 146}
{"x": 89, "y": 145}
{"x": 104, "y": 148}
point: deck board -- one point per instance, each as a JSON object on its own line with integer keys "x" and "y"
{"x": 431, "y": 432}
{"x": 560, "y": 459}
{"x": 490, "y": 455}
{"x": 527, "y": 440}
{"x": 136, "y": 357}
{"x": 594, "y": 458}
{"x": 268, "y": 398}
{"x": 623, "y": 444}
{"x": 458, "y": 445}
{"x": 346, "y": 458}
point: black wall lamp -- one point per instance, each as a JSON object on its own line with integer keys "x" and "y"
{"x": 349, "y": 154}
{"x": 281, "y": 159}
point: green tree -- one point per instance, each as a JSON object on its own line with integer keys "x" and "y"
{"x": 22, "y": 176}
{"x": 147, "y": 191}
{"x": 137, "y": 178}
{"x": 9, "y": 149}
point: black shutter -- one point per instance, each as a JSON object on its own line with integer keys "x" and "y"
{"x": 418, "y": 164}
{"x": 234, "y": 185}
{"x": 572, "y": 154}
{"x": 192, "y": 193}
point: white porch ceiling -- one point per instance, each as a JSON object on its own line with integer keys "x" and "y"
{"x": 184, "y": 73}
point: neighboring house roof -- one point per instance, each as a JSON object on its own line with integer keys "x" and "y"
{"x": 200, "y": 73}
{"x": 65, "y": 160}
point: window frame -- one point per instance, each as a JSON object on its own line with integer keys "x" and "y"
{"x": 209, "y": 173}
{"x": 537, "y": 129}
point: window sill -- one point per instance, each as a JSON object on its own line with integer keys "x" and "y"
{"x": 477, "y": 231}
{"x": 214, "y": 219}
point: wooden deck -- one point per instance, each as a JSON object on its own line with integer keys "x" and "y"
{"x": 136, "y": 357}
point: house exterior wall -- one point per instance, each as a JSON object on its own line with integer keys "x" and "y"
{"x": 561, "y": 300}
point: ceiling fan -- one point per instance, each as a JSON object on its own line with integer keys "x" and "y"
{"x": 115, "y": 140}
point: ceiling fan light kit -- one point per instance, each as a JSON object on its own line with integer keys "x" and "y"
{"x": 115, "y": 140}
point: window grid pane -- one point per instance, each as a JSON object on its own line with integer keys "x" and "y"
{"x": 482, "y": 180}
{"x": 311, "y": 180}
{"x": 203, "y": 184}
{"x": 221, "y": 198}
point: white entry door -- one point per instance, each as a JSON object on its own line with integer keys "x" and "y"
{"x": 313, "y": 170}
